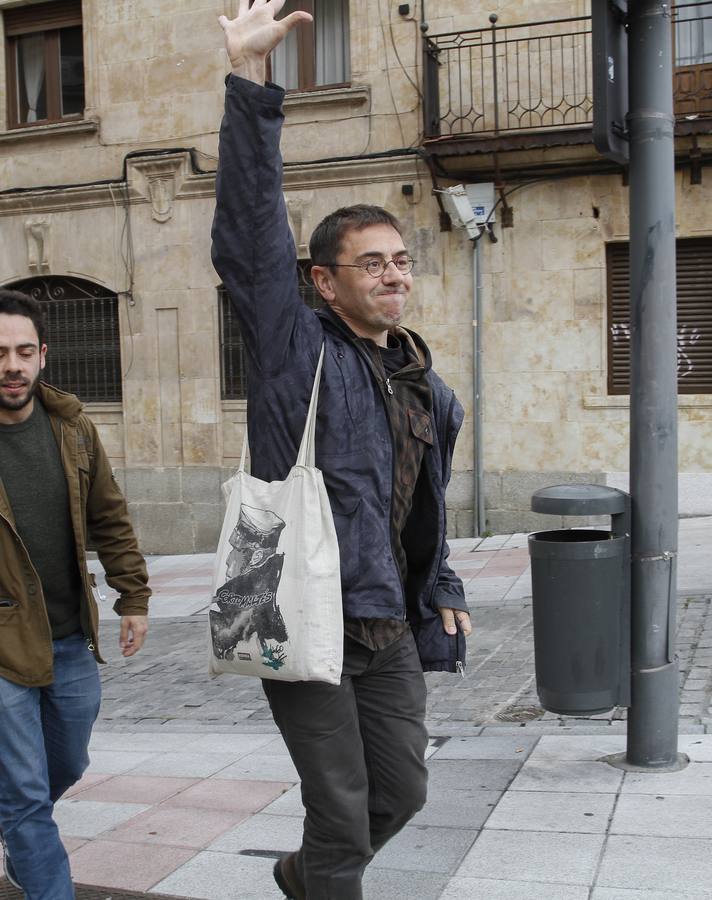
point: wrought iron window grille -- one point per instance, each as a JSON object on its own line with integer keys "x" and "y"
{"x": 83, "y": 337}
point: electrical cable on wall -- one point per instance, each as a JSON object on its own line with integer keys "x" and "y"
{"x": 388, "y": 73}
{"x": 414, "y": 84}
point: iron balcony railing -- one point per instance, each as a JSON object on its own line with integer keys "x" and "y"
{"x": 538, "y": 76}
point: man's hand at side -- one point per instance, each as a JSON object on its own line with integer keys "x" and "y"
{"x": 254, "y": 33}
{"x": 454, "y": 619}
{"x": 133, "y": 633}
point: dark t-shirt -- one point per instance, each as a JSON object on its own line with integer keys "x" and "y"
{"x": 34, "y": 481}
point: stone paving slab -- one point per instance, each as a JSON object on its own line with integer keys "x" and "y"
{"x": 90, "y": 818}
{"x": 666, "y": 864}
{"x": 176, "y": 826}
{"x": 216, "y": 876}
{"x": 421, "y": 848}
{"x": 464, "y": 806}
{"x": 489, "y": 889}
{"x": 504, "y": 747}
{"x": 534, "y": 856}
{"x": 269, "y": 833}
{"x": 635, "y": 894}
{"x": 576, "y": 813}
{"x": 663, "y": 815}
{"x": 394, "y": 884}
{"x": 568, "y": 777}
{"x": 694, "y": 780}
{"x": 125, "y": 866}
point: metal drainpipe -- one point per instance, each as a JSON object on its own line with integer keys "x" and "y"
{"x": 477, "y": 405}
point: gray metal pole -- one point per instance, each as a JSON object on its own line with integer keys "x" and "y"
{"x": 653, "y": 716}
{"x": 478, "y": 418}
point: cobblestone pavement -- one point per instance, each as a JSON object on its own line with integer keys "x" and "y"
{"x": 166, "y": 686}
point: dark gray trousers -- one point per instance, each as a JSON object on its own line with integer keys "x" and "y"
{"x": 359, "y": 748}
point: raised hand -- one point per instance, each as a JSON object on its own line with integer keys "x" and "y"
{"x": 254, "y": 33}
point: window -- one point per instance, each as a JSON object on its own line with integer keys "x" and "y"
{"x": 692, "y": 42}
{"x": 45, "y": 63}
{"x": 233, "y": 372}
{"x": 694, "y": 316}
{"x": 83, "y": 346}
{"x": 317, "y": 54}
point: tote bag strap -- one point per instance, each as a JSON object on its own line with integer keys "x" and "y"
{"x": 244, "y": 451}
{"x": 305, "y": 456}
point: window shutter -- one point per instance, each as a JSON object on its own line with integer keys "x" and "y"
{"x": 618, "y": 314}
{"x": 42, "y": 17}
{"x": 694, "y": 316}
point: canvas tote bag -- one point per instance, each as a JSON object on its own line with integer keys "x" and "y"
{"x": 276, "y": 601}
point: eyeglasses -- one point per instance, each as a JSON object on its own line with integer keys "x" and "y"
{"x": 377, "y": 267}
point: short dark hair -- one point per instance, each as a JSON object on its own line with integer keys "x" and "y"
{"x": 325, "y": 243}
{"x": 15, "y": 303}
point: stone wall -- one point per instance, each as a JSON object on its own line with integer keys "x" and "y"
{"x": 547, "y": 411}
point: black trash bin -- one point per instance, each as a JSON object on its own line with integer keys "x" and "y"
{"x": 581, "y": 602}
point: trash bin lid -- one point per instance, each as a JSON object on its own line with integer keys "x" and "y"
{"x": 579, "y": 500}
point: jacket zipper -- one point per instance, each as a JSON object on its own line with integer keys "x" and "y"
{"x": 84, "y": 610}
{"x": 384, "y": 380}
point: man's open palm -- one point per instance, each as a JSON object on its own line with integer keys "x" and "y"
{"x": 255, "y": 32}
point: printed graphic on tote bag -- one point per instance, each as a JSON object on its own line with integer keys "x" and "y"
{"x": 248, "y": 599}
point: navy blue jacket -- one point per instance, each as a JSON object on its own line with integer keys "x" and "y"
{"x": 254, "y": 254}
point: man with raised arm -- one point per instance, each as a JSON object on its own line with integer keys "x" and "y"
{"x": 385, "y": 433}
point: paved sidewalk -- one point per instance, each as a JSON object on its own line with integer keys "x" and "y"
{"x": 510, "y": 817}
{"x": 191, "y": 792}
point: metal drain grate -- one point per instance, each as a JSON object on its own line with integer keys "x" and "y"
{"x": 87, "y": 892}
{"x": 519, "y": 714}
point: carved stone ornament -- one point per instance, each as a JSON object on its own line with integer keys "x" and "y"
{"x": 298, "y": 208}
{"x": 159, "y": 179}
{"x": 37, "y": 236}
{"x": 162, "y": 193}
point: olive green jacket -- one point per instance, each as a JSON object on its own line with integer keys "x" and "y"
{"x": 98, "y": 512}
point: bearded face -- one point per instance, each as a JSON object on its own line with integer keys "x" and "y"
{"x": 22, "y": 360}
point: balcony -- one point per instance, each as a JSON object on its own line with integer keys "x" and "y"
{"x": 526, "y": 86}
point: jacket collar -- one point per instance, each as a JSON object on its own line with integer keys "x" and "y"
{"x": 58, "y": 403}
{"x": 415, "y": 342}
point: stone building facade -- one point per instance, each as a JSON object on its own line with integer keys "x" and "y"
{"x": 111, "y": 196}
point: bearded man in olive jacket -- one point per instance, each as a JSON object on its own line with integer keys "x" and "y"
{"x": 56, "y": 492}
